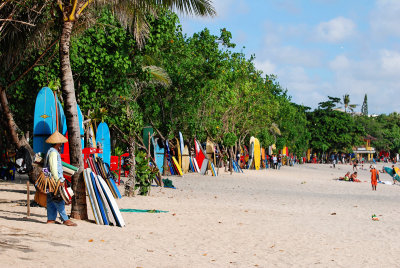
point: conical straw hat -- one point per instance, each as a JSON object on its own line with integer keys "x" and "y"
{"x": 56, "y": 137}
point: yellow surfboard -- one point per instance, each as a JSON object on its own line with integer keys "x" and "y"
{"x": 178, "y": 167}
{"x": 257, "y": 154}
{"x": 178, "y": 146}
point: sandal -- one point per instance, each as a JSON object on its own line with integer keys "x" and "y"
{"x": 70, "y": 223}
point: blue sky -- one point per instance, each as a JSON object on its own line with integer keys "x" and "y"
{"x": 318, "y": 48}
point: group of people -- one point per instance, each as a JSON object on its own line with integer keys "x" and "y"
{"x": 348, "y": 177}
{"x": 353, "y": 177}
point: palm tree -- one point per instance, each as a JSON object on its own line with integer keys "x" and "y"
{"x": 347, "y": 105}
{"x": 21, "y": 31}
{"x": 275, "y": 131}
{"x": 132, "y": 15}
{"x": 346, "y": 101}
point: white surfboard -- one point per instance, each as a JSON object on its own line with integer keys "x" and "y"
{"x": 112, "y": 202}
{"x": 196, "y": 166}
{"x": 107, "y": 208}
{"x": 92, "y": 198}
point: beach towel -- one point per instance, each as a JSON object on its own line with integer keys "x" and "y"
{"x": 142, "y": 210}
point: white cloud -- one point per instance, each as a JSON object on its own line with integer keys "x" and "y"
{"x": 266, "y": 66}
{"x": 385, "y": 19}
{"x": 335, "y": 30}
{"x": 390, "y": 62}
{"x": 341, "y": 62}
{"x": 376, "y": 75}
{"x": 276, "y": 46}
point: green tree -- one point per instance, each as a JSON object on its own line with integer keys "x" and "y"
{"x": 132, "y": 14}
{"x": 364, "y": 107}
{"x": 333, "y": 130}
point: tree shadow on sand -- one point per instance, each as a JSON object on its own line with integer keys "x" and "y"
{"x": 23, "y": 213}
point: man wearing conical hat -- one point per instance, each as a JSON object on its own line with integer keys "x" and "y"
{"x": 53, "y": 163}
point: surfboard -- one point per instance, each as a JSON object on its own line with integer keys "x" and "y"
{"x": 204, "y": 167}
{"x": 158, "y": 154}
{"x": 185, "y": 159}
{"x": 116, "y": 214}
{"x": 251, "y": 152}
{"x": 111, "y": 178}
{"x": 178, "y": 150}
{"x": 210, "y": 150}
{"x": 178, "y": 167}
{"x": 257, "y": 154}
{"x": 196, "y": 166}
{"x": 99, "y": 199}
{"x": 103, "y": 139}
{"x": 92, "y": 197}
{"x": 104, "y": 175}
{"x": 169, "y": 160}
{"x": 44, "y": 120}
{"x": 110, "y": 217}
{"x": 81, "y": 129}
{"x": 389, "y": 171}
{"x": 191, "y": 166}
{"x": 181, "y": 142}
{"x": 199, "y": 154}
{"x": 212, "y": 168}
{"x": 62, "y": 121}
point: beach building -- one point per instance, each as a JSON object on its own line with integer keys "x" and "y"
{"x": 367, "y": 152}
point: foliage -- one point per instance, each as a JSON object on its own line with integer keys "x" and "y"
{"x": 229, "y": 139}
{"x": 144, "y": 174}
{"x": 385, "y": 129}
{"x": 364, "y": 107}
{"x": 333, "y": 130}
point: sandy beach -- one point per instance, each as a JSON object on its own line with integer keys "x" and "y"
{"x": 294, "y": 217}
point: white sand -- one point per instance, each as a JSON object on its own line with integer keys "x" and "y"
{"x": 266, "y": 218}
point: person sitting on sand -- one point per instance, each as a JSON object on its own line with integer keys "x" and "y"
{"x": 346, "y": 177}
{"x": 353, "y": 177}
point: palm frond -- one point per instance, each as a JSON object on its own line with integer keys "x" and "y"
{"x": 274, "y": 129}
{"x": 132, "y": 14}
{"x": 25, "y": 25}
{"x": 159, "y": 75}
{"x": 190, "y": 7}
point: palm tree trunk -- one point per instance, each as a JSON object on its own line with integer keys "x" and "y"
{"x": 79, "y": 208}
{"x": 130, "y": 184}
{"x": 132, "y": 160}
{"x": 10, "y": 123}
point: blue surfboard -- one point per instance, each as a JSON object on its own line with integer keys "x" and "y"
{"x": 82, "y": 131}
{"x": 103, "y": 139}
{"x": 170, "y": 164}
{"x": 44, "y": 121}
{"x": 158, "y": 155}
{"x": 99, "y": 199}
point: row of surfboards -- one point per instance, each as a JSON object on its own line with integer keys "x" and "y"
{"x": 49, "y": 116}
{"x": 181, "y": 162}
{"x": 202, "y": 161}
{"x": 102, "y": 192}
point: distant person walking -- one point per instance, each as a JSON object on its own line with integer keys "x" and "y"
{"x": 374, "y": 177}
{"x": 275, "y": 160}
{"x": 355, "y": 163}
{"x": 279, "y": 161}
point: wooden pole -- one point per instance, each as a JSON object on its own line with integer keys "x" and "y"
{"x": 28, "y": 201}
